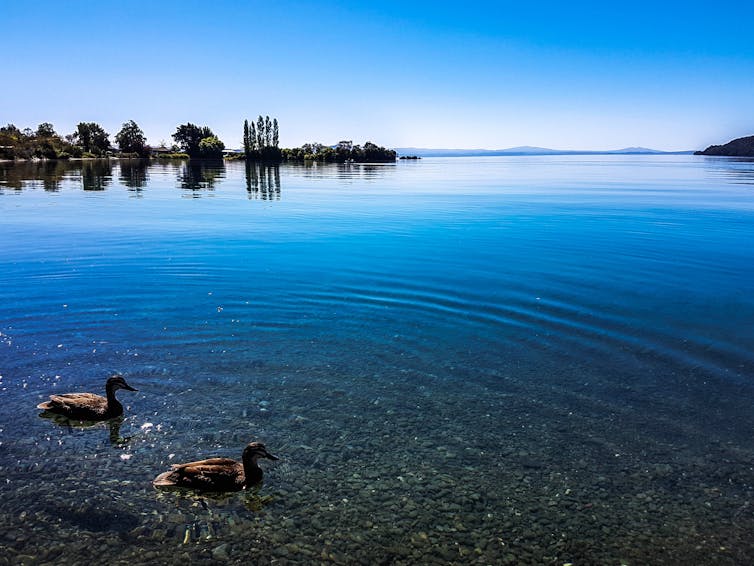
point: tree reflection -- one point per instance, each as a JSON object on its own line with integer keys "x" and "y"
{"x": 51, "y": 174}
{"x": 343, "y": 171}
{"x": 133, "y": 173}
{"x": 199, "y": 175}
{"x": 46, "y": 174}
{"x": 262, "y": 181}
{"x": 96, "y": 174}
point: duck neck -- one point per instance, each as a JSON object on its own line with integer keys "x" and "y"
{"x": 110, "y": 392}
{"x": 251, "y": 471}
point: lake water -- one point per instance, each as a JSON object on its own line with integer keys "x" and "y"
{"x": 463, "y": 360}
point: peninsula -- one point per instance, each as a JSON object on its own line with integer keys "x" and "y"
{"x": 740, "y": 147}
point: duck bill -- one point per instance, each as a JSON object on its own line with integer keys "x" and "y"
{"x": 270, "y": 456}
{"x": 127, "y": 387}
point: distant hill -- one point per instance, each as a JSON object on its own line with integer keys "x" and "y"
{"x": 741, "y": 147}
{"x": 634, "y": 150}
{"x": 528, "y": 150}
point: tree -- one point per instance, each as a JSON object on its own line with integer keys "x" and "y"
{"x": 188, "y": 136}
{"x": 267, "y": 132}
{"x": 92, "y": 137}
{"x": 11, "y": 140}
{"x": 275, "y": 133}
{"x": 46, "y": 143}
{"x": 253, "y": 136}
{"x": 211, "y": 147}
{"x": 260, "y": 132}
{"x": 11, "y": 130}
{"x": 10, "y": 135}
{"x": 246, "y": 139}
{"x": 45, "y": 130}
{"x": 131, "y": 139}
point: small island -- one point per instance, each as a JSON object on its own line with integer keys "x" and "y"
{"x": 342, "y": 152}
{"x": 740, "y": 147}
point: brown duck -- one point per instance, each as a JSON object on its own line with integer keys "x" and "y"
{"x": 218, "y": 474}
{"x": 88, "y": 406}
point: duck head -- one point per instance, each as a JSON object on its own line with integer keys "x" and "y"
{"x": 117, "y": 382}
{"x": 256, "y": 450}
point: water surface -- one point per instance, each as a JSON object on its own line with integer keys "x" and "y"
{"x": 462, "y": 360}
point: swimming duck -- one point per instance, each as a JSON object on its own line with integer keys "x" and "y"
{"x": 218, "y": 474}
{"x": 88, "y": 406}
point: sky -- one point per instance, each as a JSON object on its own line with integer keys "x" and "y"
{"x": 566, "y": 75}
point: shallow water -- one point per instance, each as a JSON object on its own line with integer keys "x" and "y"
{"x": 466, "y": 360}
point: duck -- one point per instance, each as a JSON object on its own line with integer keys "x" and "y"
{"x": 218, "y": 474}
{"x": 88, "y": 406}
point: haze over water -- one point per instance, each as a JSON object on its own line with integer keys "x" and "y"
{"x": 461, "y": 360}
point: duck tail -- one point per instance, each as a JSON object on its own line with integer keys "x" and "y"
{"x": 165, "y": 479}
{"x": 46, "y": 406}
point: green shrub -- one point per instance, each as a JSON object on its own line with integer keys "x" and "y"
{"x": 177, "y": 155}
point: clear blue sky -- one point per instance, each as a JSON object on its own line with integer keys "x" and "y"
{"x": 569, "y": 75}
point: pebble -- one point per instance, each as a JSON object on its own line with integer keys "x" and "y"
{"x": 221, "y": 552}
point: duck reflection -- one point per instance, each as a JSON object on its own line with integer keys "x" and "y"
{"x": 113, "y": 426}
{"x": 262, "y": 181}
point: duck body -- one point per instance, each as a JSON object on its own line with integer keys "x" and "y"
{"x": 212, "y": 474}
{"x": 88, "y": 406}
{"x": 218, "y": 474}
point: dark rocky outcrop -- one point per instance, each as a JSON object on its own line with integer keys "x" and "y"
{"x": 741, "y": 147}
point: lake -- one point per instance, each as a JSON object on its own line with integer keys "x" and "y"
{"x": 508, "y": 360}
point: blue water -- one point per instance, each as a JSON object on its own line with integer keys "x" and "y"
{"x": 459, "y": 360}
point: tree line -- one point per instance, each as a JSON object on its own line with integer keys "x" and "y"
{"x": 343, "y": 152}
{"x": 89, "y": 139}
{"x": 261, "y": 142}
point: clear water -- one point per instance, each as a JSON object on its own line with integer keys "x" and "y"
{"x": 468, "y": 360}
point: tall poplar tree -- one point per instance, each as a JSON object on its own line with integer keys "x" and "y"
{"x": 267, "y": 132}
{"x": 260, "y": 132}
{"x": 275, "y": 133}
{"x": 253, "y": 136}
{"x": 246, "y": 144}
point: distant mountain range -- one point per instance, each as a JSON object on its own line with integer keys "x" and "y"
{"x": 528, "y": 150}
